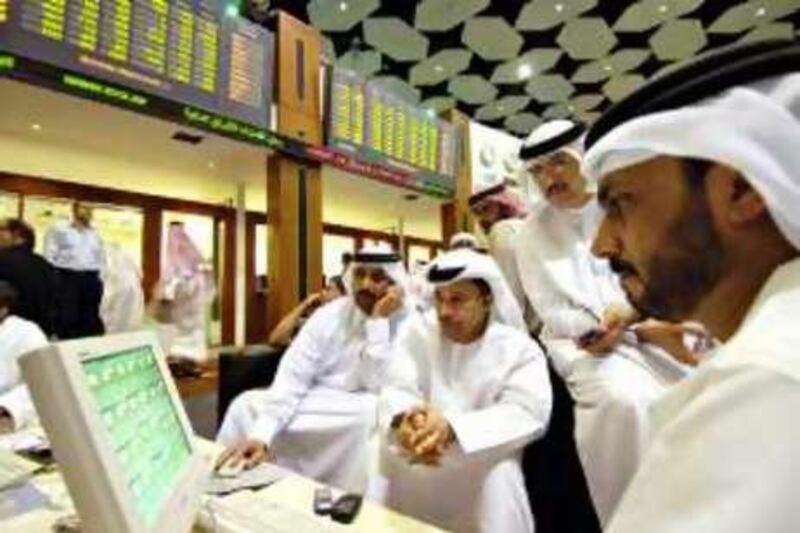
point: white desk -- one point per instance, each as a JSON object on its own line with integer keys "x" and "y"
{"x": 48, "y": 500}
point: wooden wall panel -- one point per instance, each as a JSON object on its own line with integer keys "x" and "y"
{"x": 298, "y": 80}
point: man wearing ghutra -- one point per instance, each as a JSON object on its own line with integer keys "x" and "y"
{"x": 466, "y": 391}
{"x": 700, "y": 180}
{"x": 320, "y": 411}
{"x": 611, "y": 376}
{"x": 500, "y": 212}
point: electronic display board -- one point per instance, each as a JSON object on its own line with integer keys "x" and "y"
{"x": 187, "y": 51}
{"x": 376, "y": 126}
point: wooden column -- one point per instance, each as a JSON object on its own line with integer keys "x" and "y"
{"x": 294, "y": 188}
{"x": 151, "y": 250}
{"x": 228, "y": 289}
{"x": 456, "y": 216}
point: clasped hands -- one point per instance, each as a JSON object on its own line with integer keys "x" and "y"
{"x": 424, "y": 434}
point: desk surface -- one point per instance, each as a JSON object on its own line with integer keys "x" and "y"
{"x": 47, "y": 499}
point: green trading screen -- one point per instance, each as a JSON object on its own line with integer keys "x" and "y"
{"x": 148, "y": 438}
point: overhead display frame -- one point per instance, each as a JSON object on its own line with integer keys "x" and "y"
{"x": 374, "y": 126}
{"x": 187, "y": 61}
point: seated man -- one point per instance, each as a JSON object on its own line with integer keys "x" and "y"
{"x": 319, "y": 413}
{"x": 466, "y": 391}
{"x": 17, "y": 337}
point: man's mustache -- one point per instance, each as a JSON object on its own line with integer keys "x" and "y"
{"x": 620, "y": 267}
{"x": 364, "y": 293}
{"x": 556, "y": 188}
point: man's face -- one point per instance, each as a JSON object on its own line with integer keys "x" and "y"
{"x": 6, "y": 237}
{"x": 463, "y": 311}
{"x": 659, "y": 236}
{"x": 370, "y": 284}
{"x": 559, "y": 178}
{"x": 488, "y": 213}
{"x": 82, "y": 214}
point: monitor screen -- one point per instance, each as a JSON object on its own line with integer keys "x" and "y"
{"x": 147, "y": 436}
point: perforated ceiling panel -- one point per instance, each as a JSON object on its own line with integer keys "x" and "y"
{"x": 513, "y": 63}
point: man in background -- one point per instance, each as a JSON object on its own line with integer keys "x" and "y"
{"x": 76, "y": 250}
{"x": 319, "y": 413}
{"x": 500, "y": 213}
{"x": 611, "y": 378}
{"x": 33, "y": 278}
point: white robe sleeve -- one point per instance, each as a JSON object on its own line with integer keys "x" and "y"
{"x": 559, "y": 315}
{"x": 521, "y": 412}
{"x": 503, "y": 251}
{"x": 727, "y": 460}
{"x": 294, "y": 379}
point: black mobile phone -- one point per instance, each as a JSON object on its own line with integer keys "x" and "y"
{"x": 590, "y": 337}
{"x": 323, "y": 501}
{"x": 346, "y": 508}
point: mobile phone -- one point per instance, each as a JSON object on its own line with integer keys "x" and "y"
{"x": 346, "y": 508}
{"x": 590, "y": 337}
{"x": 323, "y": 501}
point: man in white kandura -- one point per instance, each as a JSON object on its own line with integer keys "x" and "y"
{"x": 700, "y": 179}
{"x": 17, "y": 337}
{"x": 500, "y": 212}
{"x": 611, "y": 376}
{"x": 319, "y": 413}
{"x": 467, "y": 390}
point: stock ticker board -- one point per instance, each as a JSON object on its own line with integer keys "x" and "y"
{"x": 379, "y": 126}
{"x": 185, "y": 51}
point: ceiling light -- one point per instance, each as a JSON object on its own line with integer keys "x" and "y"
{"x": 343, "y": 6}
{"x": 211, "y": 165}
{"x": 231, "y": 10}
{"x": 559, "y": 7}
{"x": 607, "y": 68}
{"x": 438, "y": 68}
{"x": 431, "y": 112}
{"x": 663, "y": 8}
{"x": 36, "y": 127}
{"x": 524, "y": 71}
{"x": 761, "y": 11}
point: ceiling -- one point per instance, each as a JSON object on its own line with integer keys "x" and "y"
{"x": 513, "y": 63}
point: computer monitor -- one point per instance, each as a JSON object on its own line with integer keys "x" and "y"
{"x": 119, "y": 432}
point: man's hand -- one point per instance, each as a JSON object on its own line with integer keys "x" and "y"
{"x": 432, "y": 435}
{"x": 251, "y": 452}
{"x": 669, "y": 337}
{"x": 389, "y": 303}
{"x": 601, "y": 341}
{"x": 618, "y": 316}
{"x": 312, "y": 300}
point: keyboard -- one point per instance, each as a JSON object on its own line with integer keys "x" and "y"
{"x": 14, "y": 469}
{"x": 248, "y": 512}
